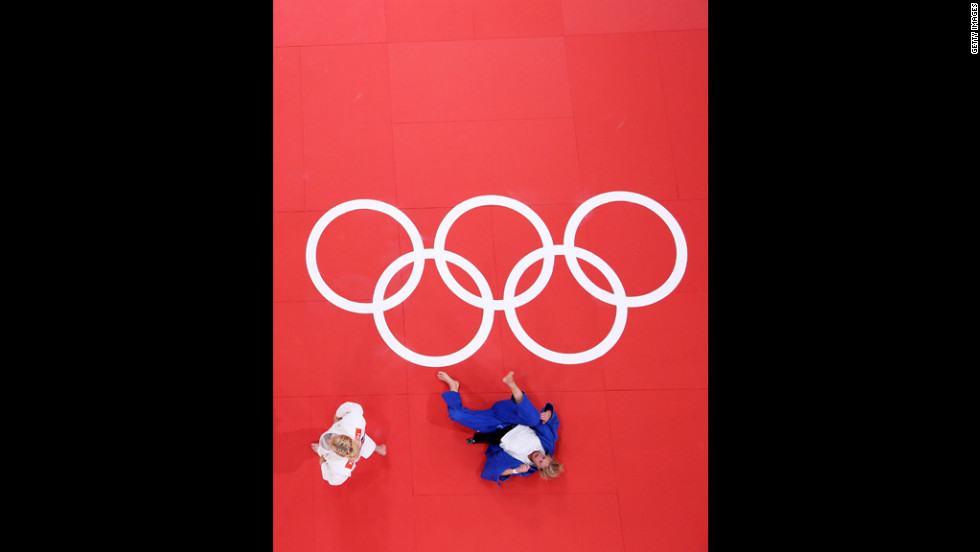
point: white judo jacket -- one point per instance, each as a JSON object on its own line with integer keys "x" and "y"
{"x": 336, "y": 469}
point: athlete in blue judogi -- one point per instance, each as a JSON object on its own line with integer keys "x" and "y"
{"x": 521, "y": 438}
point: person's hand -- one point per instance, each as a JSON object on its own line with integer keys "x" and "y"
{"x": 545, "y": 416}
{"x": 523, "y": 468}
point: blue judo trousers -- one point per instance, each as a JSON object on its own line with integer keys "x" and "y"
{"x": 502, "y": 414}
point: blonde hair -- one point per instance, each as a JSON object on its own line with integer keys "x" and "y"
{"x": 552, "y": 470}
{"x": 345, "y": 446}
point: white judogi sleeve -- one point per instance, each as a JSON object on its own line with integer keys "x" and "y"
{"x": 336, "y": 469}
{"x": 350, "y": 408}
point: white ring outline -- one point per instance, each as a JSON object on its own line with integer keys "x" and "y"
{"x": 486, "y": 324}
{"x": 510, "y": 302}
{"x": 680, "y": 244}
{"x": 499, "y": 201}
{"x": 607, "y": 343}
{"x": 344, "y": 303}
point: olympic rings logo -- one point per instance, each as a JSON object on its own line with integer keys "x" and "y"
{"x": 510, "y": 301}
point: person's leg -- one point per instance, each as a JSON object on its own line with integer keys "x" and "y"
{"x": 369, "y": 446}
{"x": 518, "y": 409}
{"x": 515, "y": 391}
{"x": 477, "y": 420}
{"x": 453, "y": 384}
{"x": 493, "y": 437}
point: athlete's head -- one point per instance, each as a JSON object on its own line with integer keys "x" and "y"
{"x": 345, "y": 446}
{"x": 548, "y": 467}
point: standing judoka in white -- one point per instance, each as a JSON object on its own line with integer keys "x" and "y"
{"x": 344, "y": 444}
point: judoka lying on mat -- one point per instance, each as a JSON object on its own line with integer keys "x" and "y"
{"x": 521, "y": 439}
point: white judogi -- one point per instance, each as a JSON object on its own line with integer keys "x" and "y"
{"x": 336, "y": 469}
{"x": 521, "y": 442}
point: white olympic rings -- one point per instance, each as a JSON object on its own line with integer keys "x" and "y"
{"x": 510, "y": 302}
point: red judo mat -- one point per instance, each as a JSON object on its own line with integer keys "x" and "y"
{"x": 478, "y": 187}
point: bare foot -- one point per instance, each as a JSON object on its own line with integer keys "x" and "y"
{"x": 453, "y": 384}
{"x": 514, "y": 389}
{"x": 381, "y": 449}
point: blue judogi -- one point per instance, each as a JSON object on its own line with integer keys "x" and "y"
{"x": 502, "y": 414}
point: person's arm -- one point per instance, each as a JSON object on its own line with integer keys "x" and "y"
{"x": 525, "y": 413}
{"x": 331, "y": 476}
{"x": 348, "y": 408}
{"x": 548, "y": 429}
{"x": 516, "y": 471}
{"x": 497, "y": 466}
{"x": 369, "y": 446}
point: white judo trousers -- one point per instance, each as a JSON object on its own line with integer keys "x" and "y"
{"x": 336, "y": 469}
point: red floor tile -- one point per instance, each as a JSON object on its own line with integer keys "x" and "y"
{"x": 664, "y": 346}
{"x": 287, "y": 174}
{"x": 684, "y": 64}
{"x": 287, "y": 131}
{"x": 582, "y": 436}
{"x": 315, "y": 22}
{"x": 521, "y": 78}
{"x": 587, "y": 521}
{"x": 692, "y": 216}
{"x": 287, "y": 107}
{"x": 292, "y": 481}
{"x": 345, "y": 86}
{"x": 347, "y": 134}
{"x": 621, "y": 114}
{"x": 441, "y": 20}
{"x": 292, "y": 426}
{"x": 615, "y": 74}
{"x": 626, "y": 151}
{"x": 290, "y": 279}
{"x": 517, "y": 18}
{"x": 425, "y": 20}
{"x": 534, "y": 161}
{"x": 664, "y": 504}
{"x": 319, "y": 349}
{"x": 442, "y": 462}
{"x": 623, "y": 16}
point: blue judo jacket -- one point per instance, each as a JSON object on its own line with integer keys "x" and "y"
{"x": 501, "y": 414}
